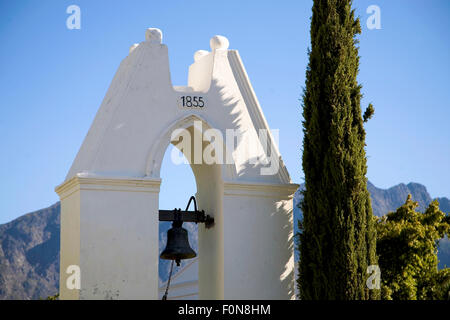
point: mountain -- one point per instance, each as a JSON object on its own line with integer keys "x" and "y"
{"x": 29, "y": 245}
{"x": 390, "y": 199}
{"x": 444, "y": 204}
{"x": 29, "y": 255}
{"x": 386, "y": 200}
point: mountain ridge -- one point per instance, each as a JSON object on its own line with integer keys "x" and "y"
{"x": 29, "y": 244}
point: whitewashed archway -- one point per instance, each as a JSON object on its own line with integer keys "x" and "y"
{"x": 110, "y": 198}
{"x": 159, "y": 147}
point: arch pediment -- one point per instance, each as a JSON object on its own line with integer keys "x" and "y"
{"x": 132, "y": 128}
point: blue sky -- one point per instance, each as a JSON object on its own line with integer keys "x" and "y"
{"x": 52, "y": 81}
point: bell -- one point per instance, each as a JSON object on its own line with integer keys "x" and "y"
{"x": 177, "y": 247}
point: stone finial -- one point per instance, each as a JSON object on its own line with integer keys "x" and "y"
{"x": 200, "y": 54}
{"x": 219, "y": 42}
{"x": 133, "y": 46}
{"x": 153, "y": 35}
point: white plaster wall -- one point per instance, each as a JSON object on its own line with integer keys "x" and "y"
{"x": 69, "y": 240}
{"x": 119, "y": 226}
{"x": 210, "y": 241}
{"x": 258, "y": 242}
{"x": 109, "y": 229}
{"x": 141, "y": 104}
{"x": 117, "y": 170}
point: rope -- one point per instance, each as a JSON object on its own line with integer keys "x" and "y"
{"x": 168, "y": 282}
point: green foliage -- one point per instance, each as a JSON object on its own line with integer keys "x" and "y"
{"x": 338, "y": 238}
{"x": 368, "y": 113}
{"x": 55, "y": 297}
{"x": 407, "y": 247}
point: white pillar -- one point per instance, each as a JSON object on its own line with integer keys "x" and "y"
{"x": 109, "y": 228}
{"x": 258, "y": 241}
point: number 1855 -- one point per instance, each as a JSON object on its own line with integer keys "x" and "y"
{"x": 192, "y": 101}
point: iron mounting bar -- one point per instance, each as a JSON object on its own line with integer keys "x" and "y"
{"x": 186, "y": 216}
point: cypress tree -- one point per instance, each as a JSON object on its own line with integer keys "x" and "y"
{"x": 338, "y": 236}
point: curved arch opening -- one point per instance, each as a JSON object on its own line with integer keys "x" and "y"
{"x": 158, "y": 149}
{"x": 203, "y": 275}
{"x": 176, "y": 188}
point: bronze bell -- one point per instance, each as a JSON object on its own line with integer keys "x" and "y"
{"x": 177, "y": 247}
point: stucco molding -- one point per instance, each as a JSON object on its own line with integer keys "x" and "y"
{"x": 254, "y": 108}
{"x": 107, "y": 183}
{"x": 286, "y": 191}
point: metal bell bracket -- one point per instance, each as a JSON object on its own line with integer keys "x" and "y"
{"x": 179, "y": 216}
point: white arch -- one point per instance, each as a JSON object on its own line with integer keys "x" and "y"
{"x": 159, "y": 147}
{"x": 109, "y": 216}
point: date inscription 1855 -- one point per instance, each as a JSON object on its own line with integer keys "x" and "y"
{"x": 192, "y": 102}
